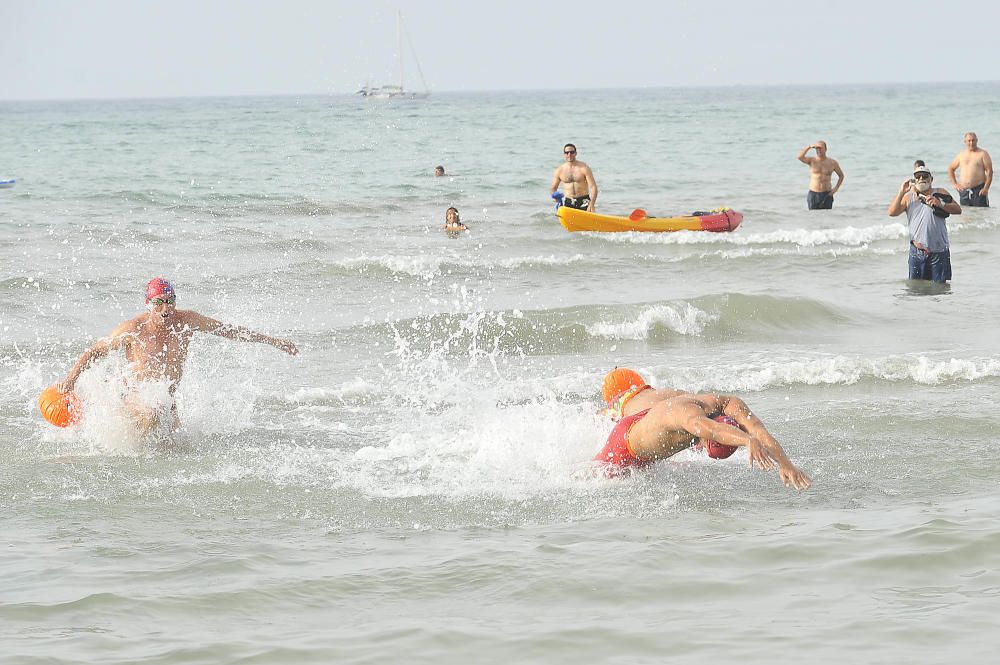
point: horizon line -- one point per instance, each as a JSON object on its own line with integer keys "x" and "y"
{"x": 709, "y": 86}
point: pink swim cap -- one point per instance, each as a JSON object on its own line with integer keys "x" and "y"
{"x": 158, "y": 287}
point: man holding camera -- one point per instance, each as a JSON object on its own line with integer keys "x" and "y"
{"x": 926, "y": 208}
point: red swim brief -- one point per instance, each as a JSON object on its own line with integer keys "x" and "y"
{"x": 616, "y": 452}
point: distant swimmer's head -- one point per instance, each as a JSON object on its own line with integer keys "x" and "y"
{"x": 438, "y": 171}
{"x": 452, "y": 222}
{"x": 618, "y": 381}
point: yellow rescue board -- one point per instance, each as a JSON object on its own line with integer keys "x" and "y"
{"x": 715, "y": 221}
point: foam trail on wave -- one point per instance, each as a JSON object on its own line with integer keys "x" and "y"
{"x": 685, "y": 319}
{"x": 429, "y": 267}
{"x": 837, "y": 370}
{"x": 849, "y": 236}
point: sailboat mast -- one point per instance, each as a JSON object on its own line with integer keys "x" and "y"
{"x": 399, "y": 45}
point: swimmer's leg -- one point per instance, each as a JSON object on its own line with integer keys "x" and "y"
{"x": 147, "y": 418}
{"x": 175, "y": 420}
{"x": 144, "y": 417}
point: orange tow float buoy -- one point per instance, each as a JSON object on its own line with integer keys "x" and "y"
{"x": 59, "y": 408}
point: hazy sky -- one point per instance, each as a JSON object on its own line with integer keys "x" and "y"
{"x": 137, "y": 48}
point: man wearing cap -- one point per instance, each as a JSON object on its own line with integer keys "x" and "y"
{"x": 976, "y": 175}
{"x": 156, "y": 345}
{"x": 821, "y": 170}
{"x": 926, "y": 209}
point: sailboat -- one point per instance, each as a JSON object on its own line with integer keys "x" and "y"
{"x": 398, "y": 91}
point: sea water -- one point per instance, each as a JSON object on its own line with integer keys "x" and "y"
{"x": 412, "y": 487}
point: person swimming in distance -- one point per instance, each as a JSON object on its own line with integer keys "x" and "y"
{"x": 452, "y": 224}
{"x": 155, "y": 344}
{"x": 438, "y": 171}
{"x": 657, "y": 424}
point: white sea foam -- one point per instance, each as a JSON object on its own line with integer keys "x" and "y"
{"x": 848, "y": 235}
{"x": 429, "y": 266}
{"x": 685, "y": 319}
{"x": 835, "y": 370}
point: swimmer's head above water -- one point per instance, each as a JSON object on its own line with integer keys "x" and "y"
{"x": 161, "y": 299}
{"x": 618, "y": 381}
{"x": 159, "y": 289}
{"x": 452, "y": 222}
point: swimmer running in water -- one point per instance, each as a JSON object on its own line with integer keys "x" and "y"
{"x": 656, "y": 424}
{"x": 156, "y": 346}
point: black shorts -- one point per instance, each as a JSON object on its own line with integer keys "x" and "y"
{"x": 580, "y": 203}
{"x": 819, "y": 200}
{"x": 971, "y": 197}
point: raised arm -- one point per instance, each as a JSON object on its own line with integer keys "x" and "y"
{"x": 898, "y": 204}
{"x": 802, "y": 155}
{"x": 229, "y": 331}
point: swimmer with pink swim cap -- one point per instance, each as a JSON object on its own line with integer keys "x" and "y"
{"x": 159, "y": 288}
{"x": 656, "y": 424}
{"x": 155, "y": 344}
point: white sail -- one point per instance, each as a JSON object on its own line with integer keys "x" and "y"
{"x": 398, "y": 91}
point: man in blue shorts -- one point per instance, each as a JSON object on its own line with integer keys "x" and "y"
{"x": 926, "y": 209}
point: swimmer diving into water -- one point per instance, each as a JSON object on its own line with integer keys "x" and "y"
{"x": 656, "y": 424}
{"x": 156, "y": 346}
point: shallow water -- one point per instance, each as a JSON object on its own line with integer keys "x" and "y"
{"x": 412, "y": 485}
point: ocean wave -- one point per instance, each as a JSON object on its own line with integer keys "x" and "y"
{"x": 426, "y": 266}
{"x": 835, "y": 370}
{"x": 577, "y": 328}
{"x": 684, "y": 319}
{"x": 846, "y": 236}
{"x": 236, "y": 205}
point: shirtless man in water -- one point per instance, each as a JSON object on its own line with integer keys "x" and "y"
{"x": 156, "y": 346}
{"x": 977, "y": 173}
{"x": 656, "y": 424}
{"x": 578, "y": 184}
{"x": 821, "y": 170}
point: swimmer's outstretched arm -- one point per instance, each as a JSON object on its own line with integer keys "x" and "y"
{"x": 229, "y": 331}
{"x": 700, "y": 425}
{"x": 737, "y": 409}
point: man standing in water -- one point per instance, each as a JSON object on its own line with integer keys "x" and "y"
{"x": 156, "y": 346}
{"x": 977, "y": 173}
{"x": 578, "y": 184}
{"x": 821, "y": 170}
{"x": 657, "y": 424}
{"x": 926, "y": 209}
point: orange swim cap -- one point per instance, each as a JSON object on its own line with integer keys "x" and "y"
{"x": 618, "y": 381}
